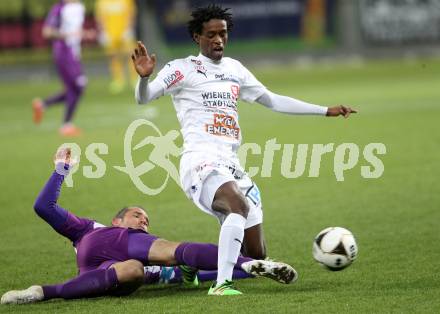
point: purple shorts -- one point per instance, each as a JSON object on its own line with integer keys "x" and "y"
{"x": 68, "y": 65}
{"x": 102, "y": 247}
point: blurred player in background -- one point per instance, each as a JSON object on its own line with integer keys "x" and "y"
{"x": 64, "y": 28}
{"x": 205, "y": 90}
{"x": 111, "y": 259}
{"x": 116, "y": 23}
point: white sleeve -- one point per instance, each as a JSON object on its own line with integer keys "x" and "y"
{"x": 146, "y": 91}
{"x": 289, "y": 105}
{"x": 168, "y": 81}
{"x": 250, "y": 87}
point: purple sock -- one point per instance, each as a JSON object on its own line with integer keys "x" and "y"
{"x": 72, "y": 99}
{"x": 93, "y": 283}
{"x": 54, "y": 99}
{"x": 203, "y": 275}
{"x": 202, "y": 256}
{"x": 210, "y": 275}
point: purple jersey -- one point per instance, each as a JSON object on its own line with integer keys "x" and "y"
{"x": 67, "y": 19}
{"x": 97, "y": 246}
{"x": 53, "y": 19}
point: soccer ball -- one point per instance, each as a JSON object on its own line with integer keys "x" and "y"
{"x": 335, "y": 248}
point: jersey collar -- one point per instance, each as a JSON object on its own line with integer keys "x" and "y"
{"x": 208, "y": 60}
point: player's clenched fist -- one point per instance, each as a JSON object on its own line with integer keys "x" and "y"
{"x": 64, "y": 161}
{"x": 62, "y": 155}
{"x": 143, "y": 63}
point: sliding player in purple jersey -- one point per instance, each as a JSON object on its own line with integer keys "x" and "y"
{"x": 111, "y": 260}
{"x": 64, "y": 27}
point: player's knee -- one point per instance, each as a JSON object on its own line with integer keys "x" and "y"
{"x": 236, "y": 204}
{"x": 229, "y": 199}
{"x": 81, "y": 82}
{"x": 131, "y": 271}
{"x": 240, "y": 206}
{"x": 136, "y": 271}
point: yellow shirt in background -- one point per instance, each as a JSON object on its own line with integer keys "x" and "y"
{"x": 115, "y": 17}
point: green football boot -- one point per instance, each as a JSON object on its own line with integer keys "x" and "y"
{"x": 226, "y": 288}
{"x": 189, "y": 276}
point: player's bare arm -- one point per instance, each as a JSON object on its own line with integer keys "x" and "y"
{"x": 142, "y": 61}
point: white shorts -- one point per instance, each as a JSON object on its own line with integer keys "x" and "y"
{"x": 201, "y": 176}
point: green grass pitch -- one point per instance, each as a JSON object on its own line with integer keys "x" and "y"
{"x": 395, "y": 218}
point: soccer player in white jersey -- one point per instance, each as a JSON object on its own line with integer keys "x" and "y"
{"x": 205, "y": 90}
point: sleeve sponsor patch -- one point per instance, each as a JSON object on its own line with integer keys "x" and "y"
{"x": 173, "y": 78}
{"x": 253, "y": 194}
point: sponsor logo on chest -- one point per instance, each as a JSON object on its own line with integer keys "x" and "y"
{"x": 223, "y": 125}
{"x": 225, "y": 99}
{"x": 199, "y": 67}
{"x": 226, "y": 77}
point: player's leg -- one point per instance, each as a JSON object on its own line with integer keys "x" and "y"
{"x": 117, "y": 60}
{"x": 151, "y": 250}
{"x": 90, "y": 284}
{"x": 94, "y": 283}
{"x": 69, "y": 68}
{"x": 210, "y": 275}
{"x": 167, "y": 253}
{"x": 204, "y": 256}
{"x": 73, "y": 95}
{"x": 230, "y": 202}
{"x": 54, "y": 99}
{"x": 38, "y": 105}
{"x": 117, "y": 71}
{"x": 253, "y": 242}
{"x": 130, "y": 277}
{"x": 122, "y": 278}
{"x": 75, "y": 83}
{"x": 173, "y": 275}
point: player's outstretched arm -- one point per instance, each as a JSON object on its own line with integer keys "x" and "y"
{"x": 144, "y": 65}
{"x": 291, "y": 105}
{"x": 46, "y": 204}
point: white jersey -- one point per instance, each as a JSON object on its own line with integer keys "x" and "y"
{"x": 72, "y": 19}
{"x": 205, "y": 95}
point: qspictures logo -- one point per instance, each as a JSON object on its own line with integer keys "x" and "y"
{"x": 162, "y": 150}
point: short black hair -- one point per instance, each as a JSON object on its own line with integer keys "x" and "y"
{"x": 205, "y": 14}
{"x": 121, "y": 214}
